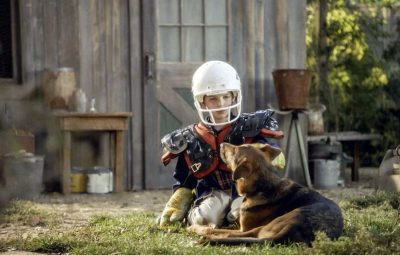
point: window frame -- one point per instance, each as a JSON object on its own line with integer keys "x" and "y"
{"x": 16, "y": 78}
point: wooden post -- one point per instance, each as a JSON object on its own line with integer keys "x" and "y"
{"x": 66, "y": 163}
{"x": 119, "y": 161}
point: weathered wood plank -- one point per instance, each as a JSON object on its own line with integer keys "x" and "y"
{"x": 66, "y": 165}
{"x": 136, "y": 95}
{"x": 296, "y": 30}
{"x": 86, "y": 46}
{"x": 249, "y": 35}
{"x": 38, "y": 36}
{"x": 150, "y": 110}
{"x": 27, "y": 44}
{"x": 96, "y": 121}
{"x": 116, "y": 55}
{"x": 236, "y": 40}
{"x": 281, "y": 26}
{"x": 173, "y": 75}
{"x": 50, "y": 31}
{"x": 68, "y": 36}
{"x": 176, "y": 104}
{"x": 119, "y": 162}
{"x": 94, "y": 124}
{"x": 259, "y": 58}
{"x": 270, "y": 51}
{"x": 99, "y": 89}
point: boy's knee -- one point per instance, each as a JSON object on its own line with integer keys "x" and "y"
{"x": 211, "y": 211}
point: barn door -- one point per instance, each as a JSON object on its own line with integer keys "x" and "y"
{"x": 178, "y": 35}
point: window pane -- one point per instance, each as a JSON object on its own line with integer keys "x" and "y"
{"x": 192, "y": 44}
{"x": 215, "y": 12}
{"x": 216, "y": 43}
{"x": 168, "y": 44}
{"x": 192, "y": 12}
{"x": 6, "y": 67}
{"x": 168, "y": 11}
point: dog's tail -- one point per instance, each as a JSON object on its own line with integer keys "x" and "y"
{"x": 236, "y": 241}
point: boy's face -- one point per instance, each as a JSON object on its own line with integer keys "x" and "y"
{"x": 218, "y": 101}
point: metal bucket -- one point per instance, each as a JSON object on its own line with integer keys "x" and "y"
{"x": 100, "y": 180}
{"x": 325, "y": 173}
{"x": 78, "y": 180}
{"x": 324, "y": 149}
{"x": 23, "y": 175}
{"x": 292, "y": 88}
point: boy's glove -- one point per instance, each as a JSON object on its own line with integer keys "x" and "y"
{"x": 279, "y": 162}
{"x": 177, "y": 206}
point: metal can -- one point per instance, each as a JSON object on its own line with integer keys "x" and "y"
{"x": 78, "y": 179}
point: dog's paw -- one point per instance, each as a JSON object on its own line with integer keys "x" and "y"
{"x": 199, "y": 229}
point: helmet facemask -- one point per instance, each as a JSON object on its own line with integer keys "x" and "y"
{"x": 206, "y": 114}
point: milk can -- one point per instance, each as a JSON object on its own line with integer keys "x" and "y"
{"x": 80, "y": 101}
{"x": 315, "y": 119}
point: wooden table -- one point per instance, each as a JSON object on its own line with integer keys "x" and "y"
{"x": 115, "y": 123}
{"x": 353, "y": 138}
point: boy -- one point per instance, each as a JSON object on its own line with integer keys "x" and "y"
{"x": 200, "y": 174}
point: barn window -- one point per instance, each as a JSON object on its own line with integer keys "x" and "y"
{"x": 193, "y": 30}
{"x": 9, "y": 64}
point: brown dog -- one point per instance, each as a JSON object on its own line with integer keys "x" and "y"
{"x": 273, "y": 210}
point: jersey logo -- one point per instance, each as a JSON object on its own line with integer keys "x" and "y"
{"x": 195, "y": 167}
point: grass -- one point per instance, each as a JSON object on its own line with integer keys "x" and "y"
{"x": 371, "y": 227}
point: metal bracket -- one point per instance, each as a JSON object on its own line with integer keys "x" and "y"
{"x": 149, "y": 65}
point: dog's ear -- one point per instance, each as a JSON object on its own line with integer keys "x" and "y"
{"x": 269, "y": 151}
{"x": 242, "y": 169}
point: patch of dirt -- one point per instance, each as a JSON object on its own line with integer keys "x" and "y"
{"x": 82, "y": 206}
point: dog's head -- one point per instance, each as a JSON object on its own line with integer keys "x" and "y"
{"x": 250, "y": 164}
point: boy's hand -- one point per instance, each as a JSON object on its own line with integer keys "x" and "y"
{"x": 279, "y": 162}
{"x": 177, "y": 206}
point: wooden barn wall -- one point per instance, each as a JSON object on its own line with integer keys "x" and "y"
{"x": 101, "y": 40}
{"x": 269, "y": 35}
{"x": 94, "y": 37}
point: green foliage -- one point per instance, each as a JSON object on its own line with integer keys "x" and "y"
{"x": 361, "y": 87}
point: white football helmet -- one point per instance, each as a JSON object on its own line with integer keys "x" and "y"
{"x": 213, "y": 78}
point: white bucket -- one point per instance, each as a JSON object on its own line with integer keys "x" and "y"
{"x": 326, "y": 173}
{"x": 100, "y": 180}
